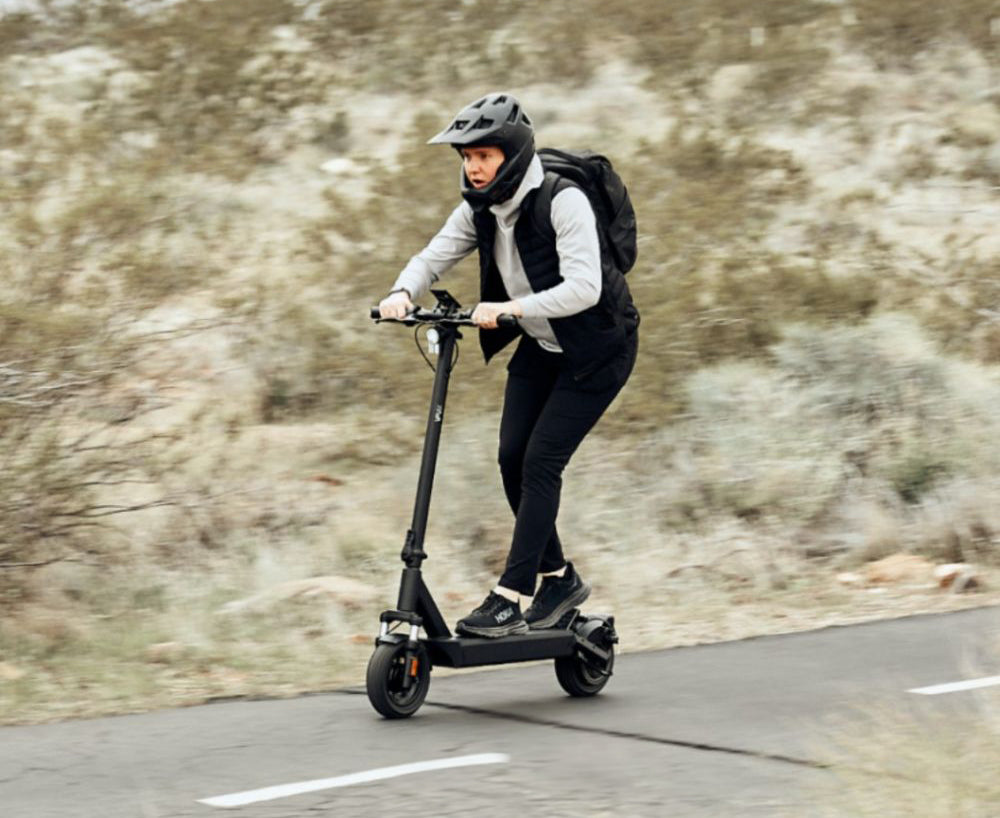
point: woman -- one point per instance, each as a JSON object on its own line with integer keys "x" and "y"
{"x": 578, "y": 345}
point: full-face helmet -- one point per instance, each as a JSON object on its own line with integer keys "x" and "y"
{"x": 496, "y": 120}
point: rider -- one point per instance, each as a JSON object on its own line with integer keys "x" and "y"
{"x": 578, "y": 345}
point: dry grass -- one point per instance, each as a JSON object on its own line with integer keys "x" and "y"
{"x": 905, "y": 29}
{"x": 924, "y": 762}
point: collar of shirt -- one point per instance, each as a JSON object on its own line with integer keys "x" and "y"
{"x": 507, "y": 212}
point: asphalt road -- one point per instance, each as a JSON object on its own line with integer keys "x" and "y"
{"x": 742, "y": 729}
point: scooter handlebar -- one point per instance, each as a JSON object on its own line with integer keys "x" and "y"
{"x": 420, "y": 316}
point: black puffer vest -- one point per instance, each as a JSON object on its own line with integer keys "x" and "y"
{"x": 590, "y": 338}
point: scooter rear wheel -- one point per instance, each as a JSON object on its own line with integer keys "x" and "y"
{"x": 387, "y": 670}
{"x": 580, "y": 679}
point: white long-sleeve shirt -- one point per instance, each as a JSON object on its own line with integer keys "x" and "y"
{"x": 576, "y": 244}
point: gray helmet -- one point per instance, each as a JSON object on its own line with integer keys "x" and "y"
{"x": 496, "y": 120}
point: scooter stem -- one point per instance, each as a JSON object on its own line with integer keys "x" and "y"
{"x": 413, "y": 551}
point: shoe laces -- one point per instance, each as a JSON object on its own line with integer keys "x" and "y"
{"x": 550, "y": 586}
{"x": 493, "y": 602}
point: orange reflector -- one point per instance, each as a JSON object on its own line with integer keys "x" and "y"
{"x": 413, "y": 666}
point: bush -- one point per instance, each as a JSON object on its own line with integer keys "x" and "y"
{"x": 876, "y": 403}
{"x": 65, "y": 460}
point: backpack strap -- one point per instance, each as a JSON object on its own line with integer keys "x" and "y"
{"x": 541, "y": 209}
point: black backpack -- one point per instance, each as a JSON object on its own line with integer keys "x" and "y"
{"x": 595, "y": 176}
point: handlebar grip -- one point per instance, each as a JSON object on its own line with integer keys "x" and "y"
{"x": 376, "y": 314}
{"x": 507, "y": 321}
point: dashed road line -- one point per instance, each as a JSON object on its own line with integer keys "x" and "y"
{"x": 240, "y": 799}
{"x": 956, "y": 687}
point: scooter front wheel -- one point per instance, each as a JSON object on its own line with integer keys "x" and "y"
{"x": 397, "y": 686}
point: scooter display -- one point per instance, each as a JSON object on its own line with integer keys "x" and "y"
{"x": 413, "y": 637}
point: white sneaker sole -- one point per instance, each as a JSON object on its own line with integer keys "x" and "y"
{"x": 492, "y": 633}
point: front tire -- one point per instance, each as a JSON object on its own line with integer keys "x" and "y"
{"x": 580, "y": 679}
{"x": 386, "y": 671}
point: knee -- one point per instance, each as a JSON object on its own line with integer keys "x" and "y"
{"x": 541, "y": 467}
{"x": 510, "y": 457}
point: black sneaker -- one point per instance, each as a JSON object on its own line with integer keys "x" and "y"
{"x": 555, "y": 597}
{"x": 497, "y": 616}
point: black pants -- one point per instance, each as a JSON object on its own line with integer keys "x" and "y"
{"x": 546, "y": 414}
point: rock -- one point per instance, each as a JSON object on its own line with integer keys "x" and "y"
{"x": 958, "y": 576}
{"x": 911, "y": 570}
{"x": 348, "y": 592}
{"x": 899, "y": 569}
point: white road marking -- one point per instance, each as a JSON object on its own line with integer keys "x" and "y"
{"x": 955, "y": 687}
{"x": 239, "y": 799}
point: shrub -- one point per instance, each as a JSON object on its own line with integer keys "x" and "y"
{"x": 66, "y": 464}
{"x": 876, "y": 402}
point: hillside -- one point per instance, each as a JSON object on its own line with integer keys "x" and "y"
{"x": 208, "y": 452}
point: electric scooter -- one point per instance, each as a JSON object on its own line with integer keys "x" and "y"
{"x": 414, "y": 637}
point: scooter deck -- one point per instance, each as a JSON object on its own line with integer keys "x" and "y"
{"x": 463, "y": 651}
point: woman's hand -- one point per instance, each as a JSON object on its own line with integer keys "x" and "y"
{"x": 395, "y": 305}
{"x": 486, "y": 313}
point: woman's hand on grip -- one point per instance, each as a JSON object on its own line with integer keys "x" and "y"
{"x": 396, "y": 305}
{"x": 486, "y": 312}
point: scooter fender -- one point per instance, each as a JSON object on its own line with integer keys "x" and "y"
{"x": 595, "y": 637}
{"x": 588, "y": 625}
{"x": 392, "y": 639}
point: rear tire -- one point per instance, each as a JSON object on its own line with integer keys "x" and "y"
{"x": 580, "y": 679}
{"x": 384, "y": 681}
